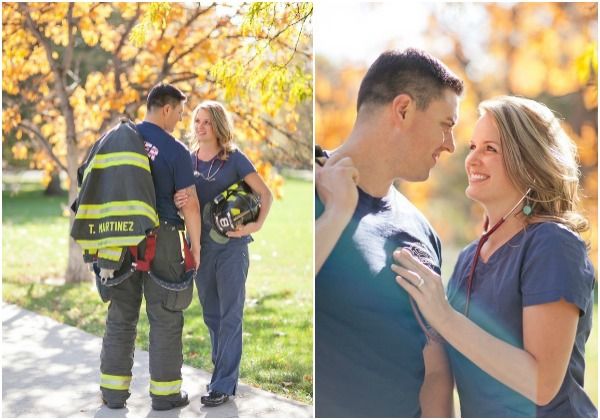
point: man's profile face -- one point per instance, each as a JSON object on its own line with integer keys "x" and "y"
{"x": 172, "y": 115}
{"x": 429, "y": 134}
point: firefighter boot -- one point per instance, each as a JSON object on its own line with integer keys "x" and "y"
{"x": 170, "y": 402}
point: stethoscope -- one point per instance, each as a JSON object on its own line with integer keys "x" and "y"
{"x": 208, "y": 176}
{"x": 482, "y": 241}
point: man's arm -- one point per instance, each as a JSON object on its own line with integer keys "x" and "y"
{"x": 191, "y": 216}
{"x": 436, "y": 392}
{"x": 328, "y": 228}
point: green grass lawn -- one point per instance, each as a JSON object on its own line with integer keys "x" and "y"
{"x": 278, "y": 316}
{"x": 278, "y": 331}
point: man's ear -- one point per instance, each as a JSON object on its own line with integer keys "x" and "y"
{"x": 402, "y": 106}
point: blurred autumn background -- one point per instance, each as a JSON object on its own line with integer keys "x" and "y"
{"x": 544, "y": 51}
{"x": 71, "y": 70}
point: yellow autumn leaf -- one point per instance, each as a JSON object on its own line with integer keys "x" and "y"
{"x": 19, "y": 151}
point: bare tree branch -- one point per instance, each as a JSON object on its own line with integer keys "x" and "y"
{"x": 199, "y": 12}
{"x": 60, "y": 87}
{"x": 270, "y": 39}
{"x": 42, "y": 140}
{"x": 295, "y": 46}
{"x": 294, "y": 139}
{"x": 287, "y": 134}
{"x": 68, "y": 54}
{"x": 117, "y": 59}
{"x": 182, "y": 77}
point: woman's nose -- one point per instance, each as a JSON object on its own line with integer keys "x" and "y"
{"x": 472, "y": 158}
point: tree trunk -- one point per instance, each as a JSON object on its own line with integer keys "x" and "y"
{"x": 77, "y": 270}
{"x": 53, "y": 187}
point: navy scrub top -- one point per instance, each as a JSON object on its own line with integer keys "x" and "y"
{"x": 368, "y": 344}
{"x": 543, "y": 263}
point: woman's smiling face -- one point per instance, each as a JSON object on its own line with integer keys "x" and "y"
{"x": 489, "y": 183}
{"x": 203, "y": 126}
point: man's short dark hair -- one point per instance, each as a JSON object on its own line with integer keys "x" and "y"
{"x": 411, "y": 71}
{"x": 163, "y": 94}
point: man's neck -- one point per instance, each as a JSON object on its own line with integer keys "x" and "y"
{"x": 374, "y": 178}
{"x": 154, "y": 119}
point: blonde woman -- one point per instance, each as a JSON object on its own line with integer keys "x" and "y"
{"x": 224, "y": 260}
{"x": 520, "y": 300}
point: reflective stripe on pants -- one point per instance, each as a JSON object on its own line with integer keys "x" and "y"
{"x": 165, "y": 388}
{"x": 119, "y": 383}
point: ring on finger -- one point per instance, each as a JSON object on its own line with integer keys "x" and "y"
{"x": 421, "y": 282}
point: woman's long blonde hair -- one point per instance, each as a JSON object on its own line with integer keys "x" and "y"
{"x": 538, "y": 154}
{"x": 221, "y": 125}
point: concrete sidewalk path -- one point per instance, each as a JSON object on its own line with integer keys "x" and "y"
{"x": 52, "y": 370}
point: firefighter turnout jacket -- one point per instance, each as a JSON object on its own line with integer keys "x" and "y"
{"x": 116, "y": 205}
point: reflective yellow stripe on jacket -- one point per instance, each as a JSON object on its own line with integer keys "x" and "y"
{"x": 90, "y": 252}
{"x": 111, "y": 242}
{"x": 165, "y": 388}
{"x": 106, "y": 160}
{"x": 111, "y": 254}
{"x": 117, "y": 208}
{"x": 119, "y": 383}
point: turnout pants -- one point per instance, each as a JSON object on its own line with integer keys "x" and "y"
{"x": 165, "y": 315}
{"x": 221, "y": 283}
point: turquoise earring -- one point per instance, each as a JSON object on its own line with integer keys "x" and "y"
{"x": 527, "y": 208}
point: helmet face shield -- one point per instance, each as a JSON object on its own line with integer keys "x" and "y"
{"x": 235, "y": 206}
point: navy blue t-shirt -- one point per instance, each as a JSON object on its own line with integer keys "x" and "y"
{"x": 171, "y": 168}
{"x": 368, "y": 343}
{"x": 541, "y": 264}
{"x": 212, "y": 177}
